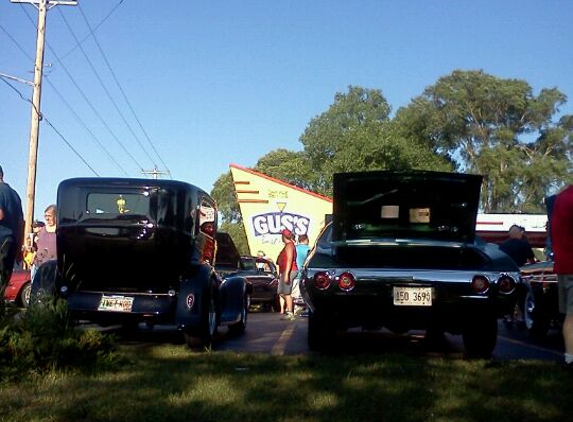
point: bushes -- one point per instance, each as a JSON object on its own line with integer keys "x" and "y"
{"x": 42, "y": 339}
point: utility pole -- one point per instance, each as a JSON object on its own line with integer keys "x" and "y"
{"x": 43, "y": 6}
{"x": 155, "y": 173}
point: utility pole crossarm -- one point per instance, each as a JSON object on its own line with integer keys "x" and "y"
{"x": 52, "y": 3}
{"x": 155, "y": 173}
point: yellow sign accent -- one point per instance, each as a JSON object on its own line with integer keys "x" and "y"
{"x": 269, "y": 205}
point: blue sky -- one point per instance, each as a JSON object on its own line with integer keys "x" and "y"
{"x": 220, "y": 82}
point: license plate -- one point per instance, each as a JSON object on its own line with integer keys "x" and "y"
{"x": 412, "y": 296}
{"x": 115, "y": 303}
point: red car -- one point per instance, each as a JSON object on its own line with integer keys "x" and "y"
{"x": 18, "y": 288}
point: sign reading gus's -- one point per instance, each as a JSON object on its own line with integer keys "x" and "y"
{"x": 269, "y": 205}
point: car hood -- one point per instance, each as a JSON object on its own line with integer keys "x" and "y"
{"x": 414, "y": 205}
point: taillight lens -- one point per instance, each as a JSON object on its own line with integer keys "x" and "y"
{"x": 506, "y": 284}
{"x": 322, "y": 280}
{"x": 346, "y": 282}
{"x": 480, "y": 284}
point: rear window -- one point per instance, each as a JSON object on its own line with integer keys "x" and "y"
{"x": 111, "y": 205}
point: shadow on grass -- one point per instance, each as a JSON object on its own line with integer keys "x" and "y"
{"x": 168, "y": 382}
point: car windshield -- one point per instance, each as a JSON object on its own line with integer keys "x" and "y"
{"x": 257, "y": 264}
{"x": 248, "y": 264}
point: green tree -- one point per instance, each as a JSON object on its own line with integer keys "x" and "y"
{"x": 356, "y": 134}
{"x": 231, "y": 220}
{"x": 497, "y": 128}
{"x": 289, "y": 166}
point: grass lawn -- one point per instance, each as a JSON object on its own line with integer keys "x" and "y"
{"x": 172, "y": 383}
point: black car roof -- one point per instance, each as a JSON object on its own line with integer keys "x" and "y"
{"x": 131, "y": 182}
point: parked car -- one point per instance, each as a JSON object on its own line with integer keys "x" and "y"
{"x": 539, "y": 300}
{"x": 140, "y": 250}
{"x": 400, "y": 254}
{"x": 18, "y": 288}
{"x": 262, "y": 275}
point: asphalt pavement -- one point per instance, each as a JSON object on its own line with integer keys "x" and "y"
{"x": 267, "y": 333}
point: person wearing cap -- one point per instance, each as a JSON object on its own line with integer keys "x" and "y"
{"x": 11, "y": 233}
{"x": 288, "y": 269}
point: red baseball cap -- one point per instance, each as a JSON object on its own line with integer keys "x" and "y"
{"x": 287, "y": 233}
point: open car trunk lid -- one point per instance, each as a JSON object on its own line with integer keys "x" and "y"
{"x": 414, "y": 205}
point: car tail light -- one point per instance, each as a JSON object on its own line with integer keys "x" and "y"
{"x": 480, "y": 284}
{"x": 506, "y": 284}
{"x": 322, "y": 280}
{"x": 346, "y": 282}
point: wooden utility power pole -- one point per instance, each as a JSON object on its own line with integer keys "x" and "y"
{"x": 43, "y": 6}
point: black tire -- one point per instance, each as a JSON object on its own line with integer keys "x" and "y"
{"x": 240, "y": 326}
{"x": 45, "y": 284}
{"x": 480, "y": 337}
{"x": 24, "y": 296}
{"x": 204, "y": 336}
{"x": 320, "y": 331}
{"x": 536, "y": 320}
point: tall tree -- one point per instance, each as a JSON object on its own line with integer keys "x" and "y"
{"x": 497, "y": 128}
{"x": 290, "y": 166}
{"x": 228, "y": 207}
{"x": 356, "y": 134}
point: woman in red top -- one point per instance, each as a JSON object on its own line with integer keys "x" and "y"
{"x": 287, "y": 271}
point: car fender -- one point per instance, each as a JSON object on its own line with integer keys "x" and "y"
{"x": 232, "y": 294}
{"x": 46, "y": 282}
{"x": 193, "y": 285}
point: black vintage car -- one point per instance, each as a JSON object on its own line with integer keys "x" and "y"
{"x": 140, "y": 250}
{"x": 400, "y": 253}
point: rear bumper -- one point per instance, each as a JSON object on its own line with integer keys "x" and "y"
{"x": 371, "y": 305}
{"x": 153, "y": 308}
{"x": 263, "y": 293}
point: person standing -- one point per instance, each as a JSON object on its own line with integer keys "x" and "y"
{"x": 11, "y": 233}
{"x": 302, "y": 249}
{"x": 562, "y": 242}
{"x": 517, "y": 246}
{"x": 46, "y": 240}
{"x": 287, "y": 272}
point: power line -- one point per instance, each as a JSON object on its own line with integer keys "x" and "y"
{"x": 104, "y": 87}
{"x": 77, "y": 117}
{"x": 92, "y": 32}
{"x": 17, "y": 44}
{"x": 88, "y": 101}
{"x": 95, "y": 138}
{"x": 43, "y": 117}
